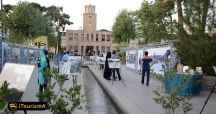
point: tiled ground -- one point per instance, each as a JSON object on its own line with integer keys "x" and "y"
{"x": 136, "y": 98}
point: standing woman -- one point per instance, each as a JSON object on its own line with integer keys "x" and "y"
{"x": 41, "y": 68}
{"x": 107, "y": 70}
{"x": 47, "y": 78}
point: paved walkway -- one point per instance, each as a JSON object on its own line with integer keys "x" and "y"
{"x": 134, "y": 98}
{"x": 32, "y": 89}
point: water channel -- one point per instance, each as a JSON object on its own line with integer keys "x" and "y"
{"x": 97, "y": 100}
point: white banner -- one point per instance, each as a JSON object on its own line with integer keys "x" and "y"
{"x": 114, "y": 63}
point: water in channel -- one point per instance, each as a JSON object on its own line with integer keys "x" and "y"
{"x": 97, "y": 100}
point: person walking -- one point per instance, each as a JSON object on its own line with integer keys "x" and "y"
{"x": 101, "y": 62}
{"x": 107, "y": 70}
{"x": 115, "y": 56}
{"x": 65, "y": 57}
{"x": 146, "y": 67}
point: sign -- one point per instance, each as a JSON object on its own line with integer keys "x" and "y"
{"x": 17, "y": 75}
{"x": 100, "y": 60}
{"x": 114, "y": 63}
{"x": 13, "y": 106}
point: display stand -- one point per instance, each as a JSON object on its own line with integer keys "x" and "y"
{"x": 210, "y": 94}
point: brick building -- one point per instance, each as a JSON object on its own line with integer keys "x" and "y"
{"x": 89, "y": 39}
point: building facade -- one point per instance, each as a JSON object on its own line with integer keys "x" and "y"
{"x": 89, "y": 39}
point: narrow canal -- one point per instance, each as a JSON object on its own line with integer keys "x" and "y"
{"x": 97, "y": 100}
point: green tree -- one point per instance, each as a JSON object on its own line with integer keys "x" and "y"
{"x": 59, "y": 20}
{"x": 124, "y": 27}
{"x": 197, "y": 19}
{"x": 26, "y": 22}
{"x": 155, "y": 21}
{"x": 6, "y": 10}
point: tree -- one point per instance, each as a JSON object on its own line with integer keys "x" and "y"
{"x": 26, "y": 22}
{"x": 124, "y": 27}
{"x": 59, "y": 20}
{"x": 4, "y": 17}
{"x": 196, "y": 20}
{"x": 155, "y": 21}
{"x": 193, "y": 29}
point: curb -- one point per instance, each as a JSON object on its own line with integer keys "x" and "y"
{"x": 121, "y": 103}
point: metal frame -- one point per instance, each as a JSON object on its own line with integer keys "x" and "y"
{"x": 210, "y": 94}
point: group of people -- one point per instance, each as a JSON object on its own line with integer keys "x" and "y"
{"x": 111, "y": 71}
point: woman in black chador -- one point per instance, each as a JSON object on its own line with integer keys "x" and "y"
{"x": 107, "y": 70}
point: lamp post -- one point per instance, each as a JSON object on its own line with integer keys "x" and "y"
{"x": 58, "y": 49}
{"x": 2, "y": 49}
{"x": 1, "y": 22}
{"x": 1, "y": 3}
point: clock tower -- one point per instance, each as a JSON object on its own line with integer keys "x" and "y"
{"x": 89, "y": 19}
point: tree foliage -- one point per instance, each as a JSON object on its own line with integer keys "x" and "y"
{"x": 28, "y": 20}
{"x": 124, "y": 27}
{"x": 190, "y": 22}
{"x": 155, "y": 21}
{"x": 24, "y": 22}
{"x": 59, "y": 20}
{"x": 196, "y": 46}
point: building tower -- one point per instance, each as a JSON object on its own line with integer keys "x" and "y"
{"x": 89, "y": 19}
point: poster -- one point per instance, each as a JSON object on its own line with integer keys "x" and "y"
{"x": 140, "y": 56}
{"x": 114, "y": 63}
{"x": 157, "y": 54}
{"x": 131, "y": 58}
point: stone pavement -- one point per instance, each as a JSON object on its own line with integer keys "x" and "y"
{"x": 134, "y": 98}
{"x": 32, "y": 89}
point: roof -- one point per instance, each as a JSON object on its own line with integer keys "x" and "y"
{"x": 104, "y": 30}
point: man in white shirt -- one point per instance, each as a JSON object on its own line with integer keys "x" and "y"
{"x": 115, "y": 56}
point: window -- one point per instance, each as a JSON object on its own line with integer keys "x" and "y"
{"x": 87, "y": 37}
{"x": 92, "y": 37}
{"x": 71, "y": 34}
{"x": 76, "y": 36}
{"x": 76, "y": 48}
{"x": 96, "y": 37}
{"x": 108, "y": 48}
{"x": 108, "y": 38}
{"x": 103, "y": 37}
{"x": 82, "y": 49}
{"x": 70, "y": 38}
{"x": 97, "y": 48}
{"x": 103, "y": 49}
{"x": 82, "y": 37}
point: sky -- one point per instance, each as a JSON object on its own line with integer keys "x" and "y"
{"x": 106, "y": 10}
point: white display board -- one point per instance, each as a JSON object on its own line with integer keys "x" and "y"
{"x": 140, "y": 56}
{"x": 114, "y": 63}
{"x": 158, "y": 51}
{"x": 157, "y": 68}
{"x": 131, "y": 59}
{"x": 17, "y": 75}
{"x": 100, "y": 60}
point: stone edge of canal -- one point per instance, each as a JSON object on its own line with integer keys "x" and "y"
{"x": 116, "y": 104}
